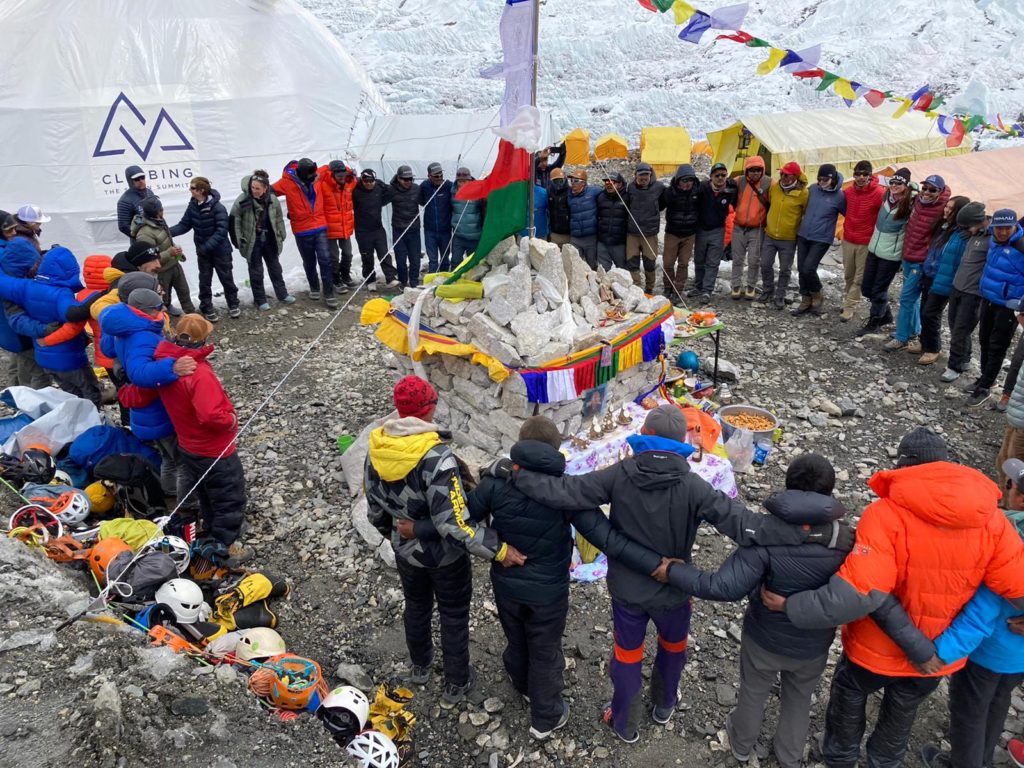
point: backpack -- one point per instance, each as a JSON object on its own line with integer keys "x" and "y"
{"x": 137, "y": 481}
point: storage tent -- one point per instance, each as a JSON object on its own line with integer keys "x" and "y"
{"x": 611, "y": 146}
{"x": 837, "y": 136}
{"x": 577, "y": 147}
{"x": 185, "y": 88}
{"x": 664, "y": 148}
{"x": 996, "y": 177}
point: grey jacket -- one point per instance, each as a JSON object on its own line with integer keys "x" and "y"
{"x": 968, "y": 275}
{"x": 645, "y": 205}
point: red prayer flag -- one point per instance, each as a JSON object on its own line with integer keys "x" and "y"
{"x": 648, "y": 5}
{"x": 816, "y": 72}
{"x": 956, "y": 136}
{"x": 739, "y": 37}
{"x": 874, "y": 97}
{"x": 924, "y": 102}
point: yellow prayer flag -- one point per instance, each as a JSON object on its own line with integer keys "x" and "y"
{"x": 842, "y": 88}
{"x": 683, "y": 11}
{"x": 773, "y": 60}
{"x": 901, "y": 110}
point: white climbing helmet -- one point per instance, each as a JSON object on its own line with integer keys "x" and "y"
{"x": 176, "y": 548}
{"x": 372, "y": 749}
{"x": 344, "y": 712}
{"x": 183, "y": 598}
{"x": 259, "y": 643}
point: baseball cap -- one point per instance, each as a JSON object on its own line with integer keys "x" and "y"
{"x": 404, "y": 172}
{"x": 719, "y": 167}
{"x": 434, "y": 168}
{"x": 936, "y": 181}
{"x": 666, "y": 421}
{"x": 32, "y": 214}
{"x": 193, "y": 327}
{"x": 791, "y": 168}
{"x": 368, "y": 174}
{"x": 1014, "y": 470}
{"x": 1004, "y": 217}
{"x": 337, "y": 166}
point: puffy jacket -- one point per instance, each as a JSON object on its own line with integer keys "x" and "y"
{"x": 887, "y": 239}
{"x": 862, "y": 207}
{"x": 437, "y": 208}
{"x": 944, "y": 259}
{"x": 467, "y": 216}
{"x": 305, "y": 206}
{"x": 659, "y": 503}
{"x": 920, "y": 225}
{"x": 823, "y": 210}
{"x": 751, "y": 201}
{"x": 132, "y": 337}
{"x": 1002, "y": 280}
{"x": 208, "y": 222}
{"x": 19, "y": 259}
{"x": 405, "y": 205}
{"x": 558, "y": 207}
{"x": 583, "y": 212}
{"x": 119, "y": 266}
{"x": 681, "y": 206}
{"x": 9, "y": 340}
{"x": 783, "y": 570}
{"x": 713, "y": 207}
{"x": 611, "y": 218}
{"x": 129, "y": 205}
{"x": 411, "y": 474}
{"x": 543, "y": 533}
{"x": 645, "y": 207}
{"x": 156, "y": 232}
{"x": 933, "y": 537}
{"x": 368, "y": 205}
{"x": 540, "y": 214}
{"x": 980, "y": 633}
{"x": 200, "y": 410}
{"x": 1015, "y": 408}
{"x": 249, "y": 217}
{"x": 338, "y": 213}
{"x": 93, "y": 270}
{"x": 968, "y": 275}
{"x": 786, "y": 209}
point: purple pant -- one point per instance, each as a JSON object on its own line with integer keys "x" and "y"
{"x": 630, "y": 625}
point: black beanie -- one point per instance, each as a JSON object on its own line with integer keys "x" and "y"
{"x": 306, "y": 170}
{"x": 151, "y": 207}
{"x": 863, "y": 166}
{"x": 921, "y": 446}
{"x": 140, "y": 253}
{"x": 903, "y": 173}
{"x": 830, "y": 171}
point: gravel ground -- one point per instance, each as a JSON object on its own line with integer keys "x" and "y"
{"x": 95, "y": 695}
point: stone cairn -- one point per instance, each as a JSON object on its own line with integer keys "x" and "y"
{"x": 540, "y": 303}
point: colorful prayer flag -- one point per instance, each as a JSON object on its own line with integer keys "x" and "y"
{"x": 663, "y": 5}
{"x": 757, "y": 42}
{"x": 843, "y": 88}
{"x": 956, "y": 135}
{"x": 729, "y": 17}
{"x": 647, "y": 5}
{"x": 874, "y": 97}
{"x": 901, "y": 110}
{"x": 826, "y": 81}
{"x": 699, "y": 23}
{"x": 682, "y": 11}
{"x": 806, "y": 73}
{"x": 769, "y": 64}
{"x": 738, "y": 37}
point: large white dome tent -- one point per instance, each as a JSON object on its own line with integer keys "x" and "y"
{"x": 184, "y": 88}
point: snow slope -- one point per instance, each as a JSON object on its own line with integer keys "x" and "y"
{"x": 609, "y": 65}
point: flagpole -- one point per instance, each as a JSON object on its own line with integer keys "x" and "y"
{"x": 532, "y": 228}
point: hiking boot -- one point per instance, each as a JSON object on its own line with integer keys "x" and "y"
{"x": 416, "y": 675}
{"x": 212, "y": 316}
{"x": 928, "y": 358}
{"x": 778, "y": 303}
{"x": 456, "y": 694}
{"x": 234, "y": 312}
{"x": 978, "y": 397}
{"x": 763, "y": 297}
{"x": 846, "y": 315}
{"x": 238, "y": 555}
{"x": 804, "y": 308}
{"x": 314, "y": 295}
{"x": 331, "y": 302}
{"x": 914, "y": 346}
{"x": 264, "y": 307}
{"x": 394, "y": 283}
{"x": 870, "y": 326}
{"x": 1001, "y": 404}
{"x": 289, "y": 299}
{"x": 606, "y": 718}
{"x": 705, "y": 299}
{"x": 693, "y": 293}
{"x": 949, "y": 375}
{"x": 562, "y": 721}
{"x": 893, "y": 344}
{"x": 887, "y": 318}
{"x": 736, "y": 294}
{"x": 750, "y": 293}
{"x": 661, "y": 715}
{"x": 933, "y": 757}
{"x": 341, "y": 288}
{"x": 1015, "y": 749}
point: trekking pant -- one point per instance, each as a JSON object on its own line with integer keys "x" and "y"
{"x": 978, "y": 701}
{"x": 609, "y": 256}
{"x": 265, "y": 250}
{"x": 408, "y": 255}
{"x": 341, "y": 259}
{"x": 28, "y": 372}
{"x": 845, "y": 717}
{"x": 995, "y": 332}
{"x": 759, "y": 669}
{"x": 533, "y": 655}
{"x": 855, "y": 257}
{"x": 707, "y": 255}
{"x": 675, "y": 263}
{"x": 374, "y": 242}
{"x": 559, "y": 239}
{"x": 452, "y": 587}
{"x": 438, "y": 246}
{"x": 878, "y": 276}
{"x": 630, "y": 626}
{"x": 746, "y": 253}
{"x": 315, "y": 252}
{"x": 809, "y": 254}
{"x": 931, "y": 321}
{"x": 587, "y": 246}
{"x": 221, "y": 263}
{"x": 170, "y": 460}
{"x": 174, "y": 278}
{"x": 786, "y": 250}
{"x": 1016, "y": 362}
{"x": 908, "y": 321}
{"x": 963, "y": 319}
{"x": 221, "y": 493}
{"x": 641, "y": 248}
{"x": 461, "y": 246}
{"x": 80, "y": 382}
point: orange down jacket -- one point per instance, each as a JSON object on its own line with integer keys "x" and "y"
{"x": 92, "y": 276}
{"x": 305, "y": 205}
{"x": 341, "y": 219}
{"x": 935, "y": 534}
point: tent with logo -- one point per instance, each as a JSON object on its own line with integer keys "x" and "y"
{"x": 185, "y": 88}
{"x": 837, "y": 136}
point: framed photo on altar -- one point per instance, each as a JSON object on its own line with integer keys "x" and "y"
{"x": 595, "y": 401}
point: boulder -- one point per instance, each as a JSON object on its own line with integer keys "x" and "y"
{"x": 576, "y": 270}
{"x": 518, "y": 292}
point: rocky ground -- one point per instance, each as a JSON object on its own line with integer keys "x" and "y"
{"x": 96, "y": 695}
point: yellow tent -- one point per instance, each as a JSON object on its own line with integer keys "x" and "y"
{"x": 837, "y": 136}
{"x": 995, "y": 178}
{"x": 664, "y": 148}
{"x": 611, "y": 146}
{"x": 702, "y": 148}
{"x": 577, "y": 147}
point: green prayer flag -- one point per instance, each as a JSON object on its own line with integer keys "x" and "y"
{"x": 506, "y": 215}
{"x": 826, "y": 81}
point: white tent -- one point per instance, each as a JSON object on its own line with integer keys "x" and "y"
{"x": 184, "y": 88}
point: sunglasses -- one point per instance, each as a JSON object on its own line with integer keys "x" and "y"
{"x": 719, "y": 175}
{"x": 193, "y": 189}
{"x": 929, "y": 188}
{"x": 574, "y": 180}
{"x": 861, "y": 173}
{"x": 897, "y": 183}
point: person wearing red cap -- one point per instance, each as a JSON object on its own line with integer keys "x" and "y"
{"x": 412, "y": 474}
{"x": 787, "y": 201}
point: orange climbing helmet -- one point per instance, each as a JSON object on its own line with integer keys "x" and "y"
{"x": 103, "y": 554}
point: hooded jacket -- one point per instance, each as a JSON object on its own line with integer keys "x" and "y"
{"x": 644, "y": 205}
{"x": 208, "y": 222}
{"x": 94, "y": 271}
{"x": 368, "y": 205}
{"x": 18, "y": 258}
{"x": 944, "y": 259}
{"x": 583, "y": 212}
{"x": 132, "y": 337}
{"x": 405, "y": 206}
{"x": 305, "y": 205}
{"x": 199, "y": 408}
{"x": 968, "y": 275}
{"x": 249, "y": 217}
{"x": 411, "y": 474}
{"x": 786, "y": 209}
{"x": 129, "y": 205}
{"x": 980, "y": 633}
{"x": 783, "y": 570}
{"x": 437, "y": 208}
{"x": 752, "y": 201}
{"x": 612, "y": 215}
{"x": 1002, "y": 280}
{"x": 156, "y": 233}
{"x": 862, "y": 205}
{"x": 1015, "y": 408}
{"x": 338, "y": 213}
{"x": 681, "y": 207}
{"x": 920, "y": 224}
{"x": 558, "y": 207}
{"x": 932, "y": 538}
{"x": 823, "y": 210}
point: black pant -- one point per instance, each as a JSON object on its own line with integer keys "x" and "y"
{"x": 341, "y": 259}
{"x": 963, "y": 319}
{"x": 371, "y": 243}
{"x": 452, "y": 587}
{"x": 221, "y": 493}
{"x": 1015, "y": 365}
{"x": 978, "y": 701}
{"x": 222, "y": 264}
{"x": 878, "y": 276}
{"x": 533, "y": 655}
{"x": 995, "y": 332}
{"x": 265, "y": 250}
{"x": 845, "y": 717}
{"x": 932, "y": 307}
{"x": 809, "y": 254}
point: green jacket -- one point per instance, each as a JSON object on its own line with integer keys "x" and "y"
{"x": 159, "y": 234}
{"x": 245, "y": 214}
{"x": 887, "y": 239}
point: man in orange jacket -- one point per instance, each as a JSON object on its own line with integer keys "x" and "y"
{"x": 336, "y": 181}
{"x": 933, "y": 537}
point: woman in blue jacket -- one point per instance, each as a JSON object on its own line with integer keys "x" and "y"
{"x": 816, "y": 235}
{"x": 467, "y": 220}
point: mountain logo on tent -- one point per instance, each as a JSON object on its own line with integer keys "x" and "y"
{"x": 129, "y": 132}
